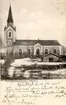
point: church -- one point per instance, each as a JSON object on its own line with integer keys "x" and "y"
{"x": 50, "y": 50}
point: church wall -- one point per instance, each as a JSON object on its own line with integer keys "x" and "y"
{"x": 38, "y": 46}
{"x": 51, "y": 48}
{"x": 63, "y": 50}
{"x": 24, "y": 49}
{"x": 14, "y": 36}
{"x": 18, "y": 47}
{"x": 33, "y": 49}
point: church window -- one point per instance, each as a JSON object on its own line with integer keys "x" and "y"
{"x": 9, "y": 34}
{"x": 20, "y": 52}
{"x": 54, "y": 51}
{"x": 46, "y": 51}
{"x": 29, "y": 51}
{"x": 37, "y": 52}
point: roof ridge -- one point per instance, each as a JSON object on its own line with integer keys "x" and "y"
{"x": 33, "y": 42}
{"x": 36, "y": 40}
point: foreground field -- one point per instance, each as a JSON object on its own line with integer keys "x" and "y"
{"x": 34, "y": 69}
{"x": 28, "y": 61}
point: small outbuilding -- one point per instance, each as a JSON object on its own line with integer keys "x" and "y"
{"x": 51, "y": 57}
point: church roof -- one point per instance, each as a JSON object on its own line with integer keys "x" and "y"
{"x": 10, "y": 18}
{"x": 33, "y": 42}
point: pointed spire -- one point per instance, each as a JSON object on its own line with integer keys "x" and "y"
{"x": 10, "y": 18}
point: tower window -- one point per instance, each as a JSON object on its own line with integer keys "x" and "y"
{"x": 9, "y": 34}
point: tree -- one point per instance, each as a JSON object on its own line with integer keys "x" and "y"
{"x": 1, "y": 41}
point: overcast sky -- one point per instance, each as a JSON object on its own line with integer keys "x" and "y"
{"x": 43, "y": 19}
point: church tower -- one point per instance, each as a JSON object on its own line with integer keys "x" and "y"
{"x": 9, "y": 30}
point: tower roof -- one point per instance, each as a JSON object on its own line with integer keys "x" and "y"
{"x": 10, "y": 18}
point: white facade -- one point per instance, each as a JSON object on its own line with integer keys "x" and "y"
{"x": 37, "y": 47}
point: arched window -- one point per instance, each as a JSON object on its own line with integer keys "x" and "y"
{"x": 46, "y": 51}
{"x": 20, "y": 52}
{"x": 54, "y": 50}
{"x": 29, "y": 51}
{"x": 9, "y": 34}
{"x": 37, "y": 52}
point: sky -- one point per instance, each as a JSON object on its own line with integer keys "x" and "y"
{"x": 36, "y": 19}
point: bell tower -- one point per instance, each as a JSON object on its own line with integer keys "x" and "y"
{"x": 9, "y": 30}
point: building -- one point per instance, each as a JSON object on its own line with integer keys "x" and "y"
{"x": 49, "y": 49}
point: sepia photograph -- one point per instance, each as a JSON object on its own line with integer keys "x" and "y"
{"x": 33, "y": 39}
{"x": 32, "y": 52}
